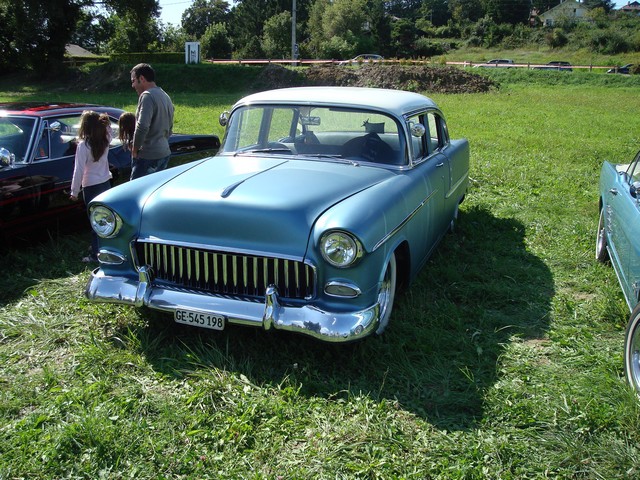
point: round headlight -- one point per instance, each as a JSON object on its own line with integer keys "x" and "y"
{"x": 340, "y": 249}
{"x": 105, "y": 222}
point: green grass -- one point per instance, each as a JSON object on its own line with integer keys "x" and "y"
{"x": 504, "y": 359}
{"x": 541, "y": 55}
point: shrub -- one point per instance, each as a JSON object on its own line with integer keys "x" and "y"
{"x": 609, "y": 42}
{"x": 424, "y": 47}
{"x": 556, "y": 38}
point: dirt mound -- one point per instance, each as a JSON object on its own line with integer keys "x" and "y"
{"x": 434, "y": 79}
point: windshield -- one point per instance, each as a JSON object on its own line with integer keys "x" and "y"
{"x": 15, "y": 134}
{"x": 316, "y": 132}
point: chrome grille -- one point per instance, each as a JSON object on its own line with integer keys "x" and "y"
{"x": 225, "y": 273}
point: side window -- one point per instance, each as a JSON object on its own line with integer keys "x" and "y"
{"x": 58, "y": 137}
{"x": 633, "y": 173}
{"x": 433, "y": 133}
{"x": 438, "y": 134}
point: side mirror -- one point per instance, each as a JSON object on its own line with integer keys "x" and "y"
{"x": 224, "y": 118}
{"x": 417, "y": 129}
{"x": 6, "y": 158}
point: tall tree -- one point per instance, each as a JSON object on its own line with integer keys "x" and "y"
{"x": 466, "y": 10}
{"x": 137, "y": 28}
{"x": 36, "y": 32}
{"x": 508, "y": 11}
{"x": 276, "y": 36}
{"x": 203, "y": 13}
{"x": 248, "y": 18}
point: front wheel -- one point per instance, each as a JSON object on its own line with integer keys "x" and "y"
{"x": 387, "y": 293}
{"x": 602, "y": 255}
{"x": 632, "y": 350}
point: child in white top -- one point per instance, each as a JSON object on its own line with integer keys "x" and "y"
{"x": 91, "y": 163}
{"x": 91, "y": 170}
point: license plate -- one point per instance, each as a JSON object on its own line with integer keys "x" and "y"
{"x": 200, "y": 319}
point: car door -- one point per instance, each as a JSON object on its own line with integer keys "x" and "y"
{"x": 17, "y": 196}
{"x": 430, "y": 180}
{"x": 623, "y": 214}
{"x": 51, "y": 169}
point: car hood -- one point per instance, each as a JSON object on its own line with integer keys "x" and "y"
{"x": 261, "y": 205}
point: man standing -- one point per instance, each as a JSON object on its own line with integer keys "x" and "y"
{"x": 154, "y": 123}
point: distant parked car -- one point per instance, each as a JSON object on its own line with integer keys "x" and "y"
{"x": 556, "y": 65}
{"x": 37, "y": 151}
{"x": 498, "y": 62}
{"x": 321, "y": 201}
{"x": 364, "y": 58}
{"x": 618, "y": 242}
{"x": 626, "y": 69}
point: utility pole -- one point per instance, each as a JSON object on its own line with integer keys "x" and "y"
{"x": 294, "y": 45}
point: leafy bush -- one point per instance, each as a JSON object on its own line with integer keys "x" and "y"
{"x": 424, "y": 47}
{"x": 556, "y": 38}
{"x": 609, "y": 42}
{"x": 216, "y": 42}
{"x": 142, "y": 57}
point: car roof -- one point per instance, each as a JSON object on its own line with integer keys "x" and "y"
{"x": 42, "y": 109}
{"x": 398, "y": 102}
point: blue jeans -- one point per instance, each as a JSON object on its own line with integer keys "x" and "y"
{"x": 89, "y": 193}
{"x": 142, "y": 166}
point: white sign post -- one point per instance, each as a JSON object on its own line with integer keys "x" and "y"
{"x": 192, "y": 52}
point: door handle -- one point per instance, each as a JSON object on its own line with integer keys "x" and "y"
{"x": 440, "y": 164}
{"x": 613, "y": 191}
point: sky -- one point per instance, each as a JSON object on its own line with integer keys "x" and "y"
{"x": 172, "y": 9}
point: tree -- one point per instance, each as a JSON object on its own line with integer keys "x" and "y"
{"x": 434, "y": 11}
{"x": 248, "y": 18}
{"x": 41, "y": 45}
{"x": 276, "y": 36}
{"x": 343, "y": 28}
{"x": 466, "y": 10}
{"x": 403, "y": 37}
{"x": 606, "y": 5}
{"x": 136, "y": 24}
{"x": 508, "y": 11}
{"x": 202, "y": 14}
{"x": 92, "y": 31}
{"x": 215, "y": 42}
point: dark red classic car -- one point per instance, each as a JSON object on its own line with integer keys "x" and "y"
{"x": 37, "y": 150}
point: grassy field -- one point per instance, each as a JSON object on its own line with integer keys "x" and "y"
{"x": 504, "y": 359}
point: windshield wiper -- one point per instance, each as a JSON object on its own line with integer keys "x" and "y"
{"x": 270, "y": 150}
{"x": 337, "y": 157}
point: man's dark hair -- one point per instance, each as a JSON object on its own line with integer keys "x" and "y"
{"x": 145, "y": 70}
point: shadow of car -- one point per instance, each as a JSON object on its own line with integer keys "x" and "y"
{"x": 626, "y": 69}
{"x": 364, "y": 58}
{"x": 556, "y": 65}
{"x": 321, "y": 201}
{"x": 618, "y": 243}
{"x": 37, "y": 153}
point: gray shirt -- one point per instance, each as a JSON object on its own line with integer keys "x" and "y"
{"x": 154, "y": 124}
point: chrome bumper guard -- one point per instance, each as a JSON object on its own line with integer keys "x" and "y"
{"x": 327, "y": 326}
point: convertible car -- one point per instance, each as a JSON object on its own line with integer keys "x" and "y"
{"x": 37, "y": 149}
{"x": 319, "y": 204}
{"x": 618, "y": 242}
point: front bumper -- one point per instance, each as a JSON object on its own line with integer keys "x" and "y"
{"x": 308, "y": 320}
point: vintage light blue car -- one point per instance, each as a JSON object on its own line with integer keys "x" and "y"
{"x": 618, "y": 241}
{"x": 320, "y": 202}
